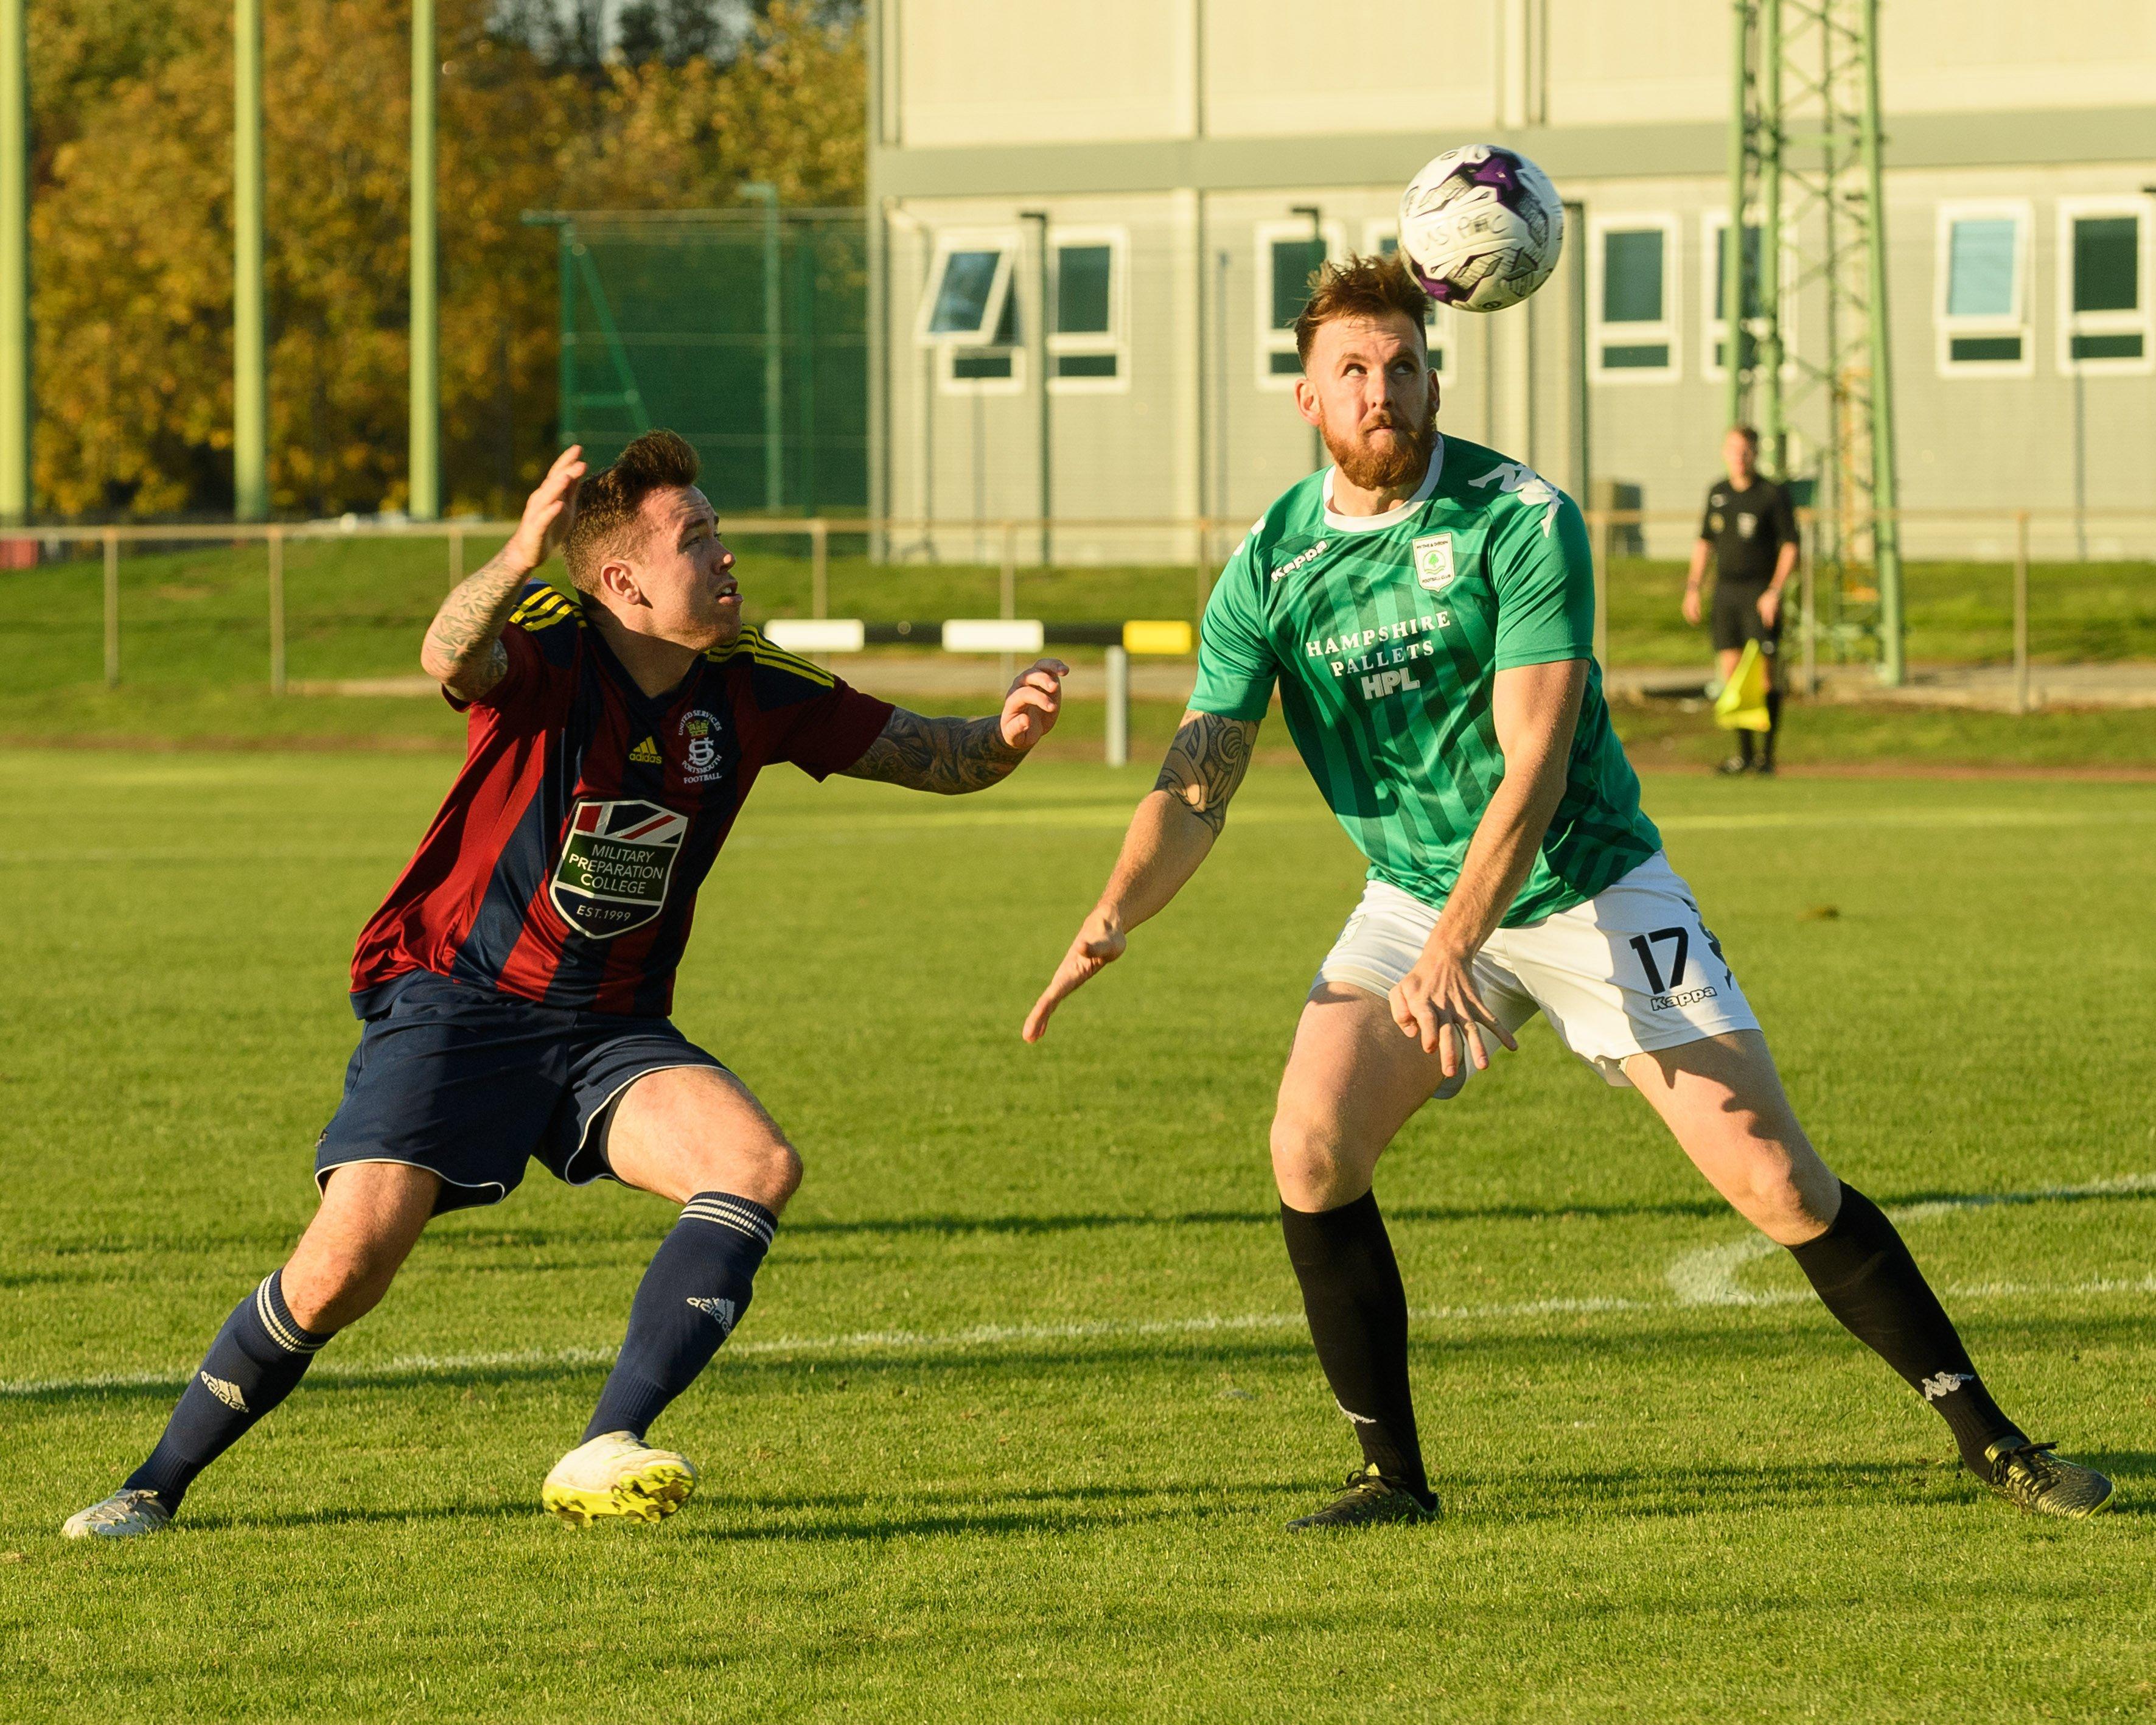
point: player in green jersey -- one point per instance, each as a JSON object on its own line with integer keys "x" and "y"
{"x": 1426, "y": 609}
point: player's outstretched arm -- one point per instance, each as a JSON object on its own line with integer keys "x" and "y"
{"x": 951, "y": 756}
{"x": 1170, "y": 834}
{"x": 463, "y": 651}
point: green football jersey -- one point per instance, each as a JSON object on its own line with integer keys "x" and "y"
{"x": 1385, "y": 634}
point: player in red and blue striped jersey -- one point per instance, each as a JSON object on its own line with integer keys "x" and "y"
{"x": 514, "y": 986}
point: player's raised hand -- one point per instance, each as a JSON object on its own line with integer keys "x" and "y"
{"x": 1437, "y": 1005}
{"x": 1035, "y": 701}
{"x": 1101, "y": 942}
{"x": 548, "y": 510}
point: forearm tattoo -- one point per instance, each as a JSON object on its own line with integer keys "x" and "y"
{"x": 949, "y": 756}
{"x": 1206, "y": 764}
{"x": 465, "y": 636}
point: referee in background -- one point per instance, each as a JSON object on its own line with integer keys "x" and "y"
{"x": 1752, "y": 531}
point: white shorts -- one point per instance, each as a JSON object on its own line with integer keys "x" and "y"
{"x": 1631, "y": 970}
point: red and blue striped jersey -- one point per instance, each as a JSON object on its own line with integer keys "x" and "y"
{"x": 562, "y": 867}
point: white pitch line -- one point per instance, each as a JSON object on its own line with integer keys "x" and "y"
{"x": 991, "y": 1335}
{"x": 1708, "y": 1276}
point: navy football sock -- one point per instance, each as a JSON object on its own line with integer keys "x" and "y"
{"x": 688, "y": 1301}
{"x": 257, "y": 1360}
{"x": 1864, "y": 1275}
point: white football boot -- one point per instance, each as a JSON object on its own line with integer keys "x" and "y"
{"x": 617, "y": 1476}
{"x": 122, "y": 1516}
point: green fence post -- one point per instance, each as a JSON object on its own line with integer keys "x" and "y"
{"x": 111, "y": 610}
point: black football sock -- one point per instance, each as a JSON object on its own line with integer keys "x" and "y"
{"x": 1744, "y": 747}
{"x": 688, "y": 1301}
{"x": 1358, "y": 1318}
{"x": 1773, "y": 724}
{"x": 256, "y": 1361}
{"x": 1866, "y": 1276}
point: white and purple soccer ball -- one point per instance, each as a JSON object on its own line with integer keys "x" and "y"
{"x": 1481, "y": 227}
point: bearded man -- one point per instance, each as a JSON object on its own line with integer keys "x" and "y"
{"x": 1426, "y": 607}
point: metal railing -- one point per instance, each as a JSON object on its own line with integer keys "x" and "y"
{"x": 1212, "y": 538}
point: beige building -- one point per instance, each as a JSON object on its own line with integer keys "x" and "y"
{"x": 1179, "y": 165}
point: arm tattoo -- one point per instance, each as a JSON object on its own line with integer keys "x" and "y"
{"x": 463, "y": 645}
{"x": 946, "y": 756}
{"x": 1205, "y": 764}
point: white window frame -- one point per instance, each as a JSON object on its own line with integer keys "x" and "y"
{"x": 2140, "y": 321}
{"x": 1599, "y": 333}
{"x": 1006, "y": 242}
{"x": 950, "y": 241}
{"x": 1271, "y": 340}
{"x": 1117, "y": 340}
{"x": 1437, "y": 328}
{"x": 1710, "y": 223}
{"x": 2020, "y": 321}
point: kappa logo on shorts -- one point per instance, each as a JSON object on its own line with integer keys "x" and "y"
{"x": 616, "y": 860}
{"x": 1433, "y": 561}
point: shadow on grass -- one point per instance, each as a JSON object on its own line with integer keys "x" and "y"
{"x": 210, "y": 1521}
{"x": 1796, "y": 1337}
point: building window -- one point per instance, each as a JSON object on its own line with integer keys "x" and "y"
{"x": 1983, "y": 288}
{"x": 1382, "y": 239}
{"x": 1714, "y": 259}
{"x": 1632, "y": 297}
{"x": 969, "y": 313}
{"x": 1088, "y": 341}
{"x": 2103, "y": 285}
{"x": 1288, "y": 252}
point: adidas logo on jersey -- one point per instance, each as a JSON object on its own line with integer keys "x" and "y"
{"x": 646, "y": 752}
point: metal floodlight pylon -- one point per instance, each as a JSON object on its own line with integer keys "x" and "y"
{"x": 1804, "y": 166}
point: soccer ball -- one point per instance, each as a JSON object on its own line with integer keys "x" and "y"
{"x": 1481, "y": 227}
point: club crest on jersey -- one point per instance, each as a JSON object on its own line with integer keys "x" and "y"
{"x": 699, "y": 734}
{"x": 617, "y": 859}
{"x": 1433, "y": 561}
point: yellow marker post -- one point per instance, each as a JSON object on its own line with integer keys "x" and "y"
{"x": 1164, "y": 639}
{"x": 1742, "y": 705}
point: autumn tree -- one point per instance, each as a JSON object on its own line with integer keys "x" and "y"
{"x": 132, "y": 247}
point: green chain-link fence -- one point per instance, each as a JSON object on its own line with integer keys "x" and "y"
{"x": 745, "y": 331}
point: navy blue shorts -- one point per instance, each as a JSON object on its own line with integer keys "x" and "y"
{"x": 471, "y": 1085}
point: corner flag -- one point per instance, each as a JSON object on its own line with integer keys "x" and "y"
{"x": 1742, "y": 705}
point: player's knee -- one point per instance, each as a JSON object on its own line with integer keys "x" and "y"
{"x": 1306, "y": 1148}
{"x": 766, "y": 1171}
{"x": 326, "y": 1291}
{"x": 1789, "y": 1198}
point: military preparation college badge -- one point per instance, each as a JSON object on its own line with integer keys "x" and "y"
{"x": 615, "y": 866}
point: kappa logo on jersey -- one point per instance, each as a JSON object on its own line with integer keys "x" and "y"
{"x": 1433, "y": 561}
{"x": 701, "y": 732}
{"x": 614, "y": 866}
{"x": 1530, "y": 487}
{"x": 1301, "y": 560}
{"x": 647, "y": 751}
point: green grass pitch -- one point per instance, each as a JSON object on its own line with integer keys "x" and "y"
{"x": 1025, "y": 1397}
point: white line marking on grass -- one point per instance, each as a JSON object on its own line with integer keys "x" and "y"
{"x": 991, "y": 1335}
{"x": 1708, "y": 1276}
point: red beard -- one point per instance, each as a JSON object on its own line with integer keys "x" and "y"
{"x": 1375, "y": 471}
